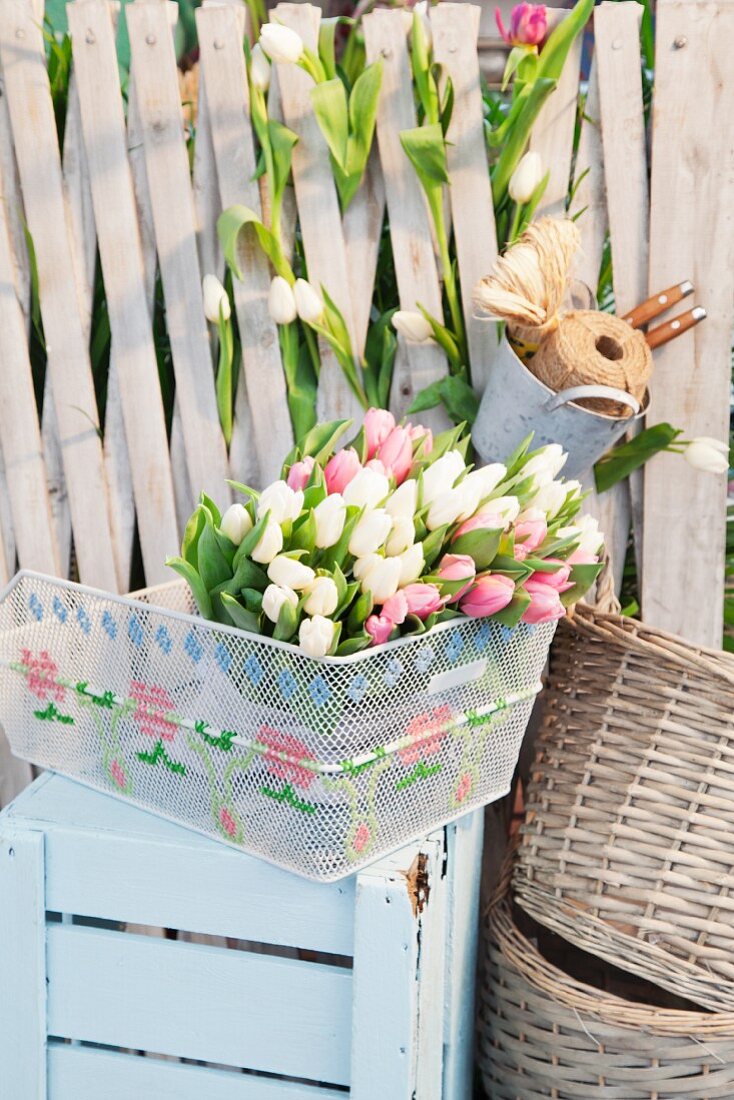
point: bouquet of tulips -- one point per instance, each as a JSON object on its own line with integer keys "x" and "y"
{"x": 388, "y": 536}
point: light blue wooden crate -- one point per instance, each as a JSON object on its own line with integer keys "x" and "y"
{"x": 362, "y": 987}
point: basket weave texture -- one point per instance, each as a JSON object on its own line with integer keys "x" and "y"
{"x": 628, "y": 845}
{"x": 543, "y": 1033}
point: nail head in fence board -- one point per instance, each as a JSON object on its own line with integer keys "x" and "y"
{"x": 223, "y": 61}
{"x": 36, "y": 145}
{"x": 318, "y": 209}
{"x": 103, "y": 126}
{"x": 174, "y": 219}
{"x": 455, "y": 33}
{"x": 691, "y": 236}
{"x": 23, "y": 965}
{"x": 552, "y": 134}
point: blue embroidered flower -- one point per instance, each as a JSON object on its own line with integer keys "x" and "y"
{"x": 109, "y": 625}
{"x": 424, "y": 658}
{"x": 135, "y": 630}
{"x": 454, "y": 646}
{"x": 36, "y": 607}
{"x": 530, "y": 628}
{"x": 223, "y": 657}
{"x": 482, "y": 639}
{"x": 287, "y": 683}
{"x": 254, "y": 669}
{"x": 358, "y": 688}
{"x": 319, "y": 691}
{"x": 83, "y": 619}
{"x": 506, "y": 632}
{"x": 192, "y": 646}
{"x": 59, "y": 610}
{"x": 163, "y": 638}
{"x": 393, "y": 673}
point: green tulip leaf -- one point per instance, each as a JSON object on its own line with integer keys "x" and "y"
{"x": 481, "y": 545}
{"x": 240, "y": 616}
{"x": 200, "y": 592}
{"x": 516, "y": 608}
{"x": 232, "y": 225}
{"x": 191, "y": 536}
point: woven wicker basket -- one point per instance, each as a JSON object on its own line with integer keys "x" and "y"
{"x": 628, "y": 844}
{"x": 545, "y": 1033}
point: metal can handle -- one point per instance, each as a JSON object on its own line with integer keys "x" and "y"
{"x": 609, "y": 392}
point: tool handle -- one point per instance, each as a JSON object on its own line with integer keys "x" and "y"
{"x": 663, "y": 334}
{"x": 658, "y": 304}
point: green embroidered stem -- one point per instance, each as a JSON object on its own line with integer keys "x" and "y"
{"x": 160, "y": 754}
{"x": 223, "y": 741}
{"x": 289, "y": 795}
{"x": 420, "y": 771}
{"x": 52, "y": 714}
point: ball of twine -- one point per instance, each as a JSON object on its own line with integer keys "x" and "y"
{"x": 588, "y": 348}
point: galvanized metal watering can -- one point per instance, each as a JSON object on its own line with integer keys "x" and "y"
{"x": 516, "y": 403}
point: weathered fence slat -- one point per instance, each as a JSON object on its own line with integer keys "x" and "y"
{"x": 456, "y": 29}
{"x": 174, "y": 219}
{"x": 362, "y": 224}
{"x": 589, "y": 202}
{"x": 36, "y": 145}
{"x": 415, "y": 265}
{"x": 223, "y": 62}
{"x": 692, "y": 188}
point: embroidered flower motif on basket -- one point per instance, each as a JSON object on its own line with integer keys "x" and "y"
{"x": 426, "y": 732}
{"x": 154, "y": 703}
{"x": 278, "y": 742}
{"x": 41, "y": 673}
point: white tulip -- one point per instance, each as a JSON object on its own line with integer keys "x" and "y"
{"x": 281, "y": 501}
{"x": 281, "y": 43}
{"x": 550, "y": 498}
{"x": 707, "y": 454}
{"x": 215, "y": 296}
{"x": 447, "y": 507}
{"x": 401, "y": 537}
{"x": 404, "y": 501}
{"x": 421, "y": 10}
{"x": 478, "y": 485}
{"x": 592, "y": 538}
{"x": 367, "y": 489}
{"x": 322, "y": 598}
{"x": 525, "y": 178}
{"x": 412, "y": 326}
{"x": 441, "y": 475}
{"x": 259, "y": 69}
{"x": 290, "y": 573}
{"x": 508, "y": 508}
{"x": 370, "y": 532}
{"x": 546, "y": 464}
{"x": 378, "y": 575}
{"x": 269, "y": 544}
{"x": 236, "y": 523}
{"x": 274, "y": 597}
{"x": 282, "y": 301}
{"x": 330, "y": 515}
{"x": 308, "y": 302}
{"x": 411, "y": 564}
{"x": 316, "y": 635}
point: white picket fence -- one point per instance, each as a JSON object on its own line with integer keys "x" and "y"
{"x": 122, "y": 188}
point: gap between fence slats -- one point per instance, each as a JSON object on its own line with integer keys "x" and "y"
{"x": 455, "y": 33}
{"x": 691, "y": 217}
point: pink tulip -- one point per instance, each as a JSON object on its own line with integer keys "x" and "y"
{"x": 483, "y": 520}
{"x": 379, "y": 628}
{"x": 545, "y": 602}
{"x": 300, "y": 472}
{"x": 378, "y": 423}
{"x": 396, "y": 608}
{"x": 424, "y": 436}
{"x": 396, "y": 454}
{"x": 582, "y": 557}
{"x": 528, "y": 24}
{"x": 457, "y": 567}
{"x": 530, "y": 531}
{"x": 340, "y": 469}
{"x": 423, "y": 599}
{"x": 558, "y": 580}
{"x": 491, "y": 593}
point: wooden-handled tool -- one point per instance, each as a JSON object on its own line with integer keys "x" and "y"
{"x": 662, "y": 334}
{"x": 658, "y": 303}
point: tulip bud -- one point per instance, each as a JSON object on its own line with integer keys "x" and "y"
{"x": 378, "y": 575}
{"x": 281, "y": 301}
{"x": 379, "y": 627}
{"x": 367, "y": 489}
{"x": 378, "y": 423}
{"x": 423, "y": 436}
{"x": 322, "y": 598}
{"x": 411, "y": 563}
{"x": 480, "y": 483}
{"x": 274, "y": 597}
{"x": 215, "y": 296}
{"x": 281, "y": 501}
{"x": 259, "y": 69}
{"x": 528, "y": 25}
{"x": 290, "y": 573}
{"x": 423, "y": 599}
{"x": 412, "y": 326}
{"x": 495, "y": 515}
{"x": 281, "y": 43}
{"x": 707, "y": 454}
{"x": 316, "y": 636}
{"x": 236, "y": 523}
{"x": 401, "y": 537}
{"x": 309, "y": 305}
{"x": 558, "y": 580}
{"x": 550, "y": 498}
{"x": 457, "y": 567}
{"x": 300, "y": 472}
{"x": 396, "y": 454}
{"x": 370, "y": 532}
{"x": 530, "y": 531}
{"x": 269, "y": 544}
{"x": 340, "y": 469}
{"x": 592, "y": 539}
{"x": 396, "y": 608}
{"x": 545, "y": 602}
{"x": 329, "y": 515}
{"x": 442, "y": 474}
{"x": 545, "y": 465}
{"x": 404, "y": 501}
{"x": 447, "y": 507}
{"x": 491, "y": 593}
{"x": 525, "y": 178}
{"x": 421, "y": 10}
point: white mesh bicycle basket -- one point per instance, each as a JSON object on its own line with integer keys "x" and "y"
{"x": 318, "y": 766}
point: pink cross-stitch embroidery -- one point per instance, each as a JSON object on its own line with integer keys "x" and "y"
{"x": 227, "y": 821}
{"x": 118, "y": 774}
{"x": 41, "y": 674}
{"x": 464, "y": 787}
{"x": 154, "y": 703}
{"x": 426, "y": 732}
{"x": 287, "y": 769}
{"x": 362, "y": 838}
